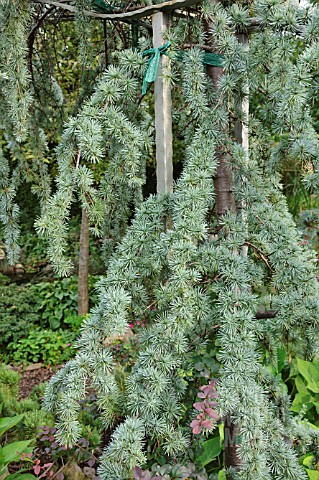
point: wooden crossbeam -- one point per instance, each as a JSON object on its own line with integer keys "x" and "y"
{"x": 170, "y": 6}
{"x": 130, "y": 15}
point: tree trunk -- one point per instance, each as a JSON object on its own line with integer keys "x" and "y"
{"x": 224, "y": 201}
{"x": 231, "y": 444}
{"x": 223, "y": 183}
{"x": 83, "y": 278}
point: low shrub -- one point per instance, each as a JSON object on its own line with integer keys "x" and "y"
{"x": 52, "y": 347}
{"x": 17, "y": 312}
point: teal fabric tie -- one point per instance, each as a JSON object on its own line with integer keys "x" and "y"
{"x": 214, "y": 59}
{"x": 104, "y": 7}
{"x": 152, "y": 66}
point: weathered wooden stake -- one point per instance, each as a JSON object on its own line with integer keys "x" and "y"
{"x": 241, "y": 128}
{"x": 163, "y": 111}
{"x": 241, "y": 133}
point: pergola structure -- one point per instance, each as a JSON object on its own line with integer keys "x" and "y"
{"x": 158, "y": 19}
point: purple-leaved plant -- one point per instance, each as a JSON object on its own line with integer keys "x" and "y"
{"x": 207, "y": 415}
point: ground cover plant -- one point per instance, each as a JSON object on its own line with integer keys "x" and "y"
{"x": 39, "y": 321}
{"x": 28, "y": 435}
{"x": 206, "y": 323}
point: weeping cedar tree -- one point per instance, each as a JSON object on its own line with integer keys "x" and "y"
{"x": 196, "y": 272}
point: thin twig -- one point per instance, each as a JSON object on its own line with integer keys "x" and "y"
{"x": 263, "y": 255}
{"x": 63, "y": 467}
{"x": 78, "y": 159}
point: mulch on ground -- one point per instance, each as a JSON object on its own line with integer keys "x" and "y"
{"x": 32, "y": 376}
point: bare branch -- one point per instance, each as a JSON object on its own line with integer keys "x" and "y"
{"x": 266, "y": 314}
{"x": 133, "y": 14}
{"x": 33, "y": 33}
{"x": 262, "y": 255}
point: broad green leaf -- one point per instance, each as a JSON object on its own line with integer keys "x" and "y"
{"x": 21, "y": 476}
{"x": 58, "y": 313}
{"x": 300, "y": 384}
{"x": 221, "y": 432}
{"x": 313, "y": 474}
{"x": 281, "y": 357}
{"x": 211, "y": 450}
{"x": 310, "y": 372}
{"x": 309, "y": 424}
{"x": 308, "y": 460}
{"x": 303, "y": 458}
{"x": 222, "y": 475}
{"x": 272, "y": 370}
{"x": 8, "y": 422}
{"x": 12, "y": 452}
{"x": 300, "y": 400}
{"x": 282, "y": 385}
{"x": 54, "y": 323}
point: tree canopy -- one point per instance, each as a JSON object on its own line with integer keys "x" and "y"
{"x": 217, "y": 266}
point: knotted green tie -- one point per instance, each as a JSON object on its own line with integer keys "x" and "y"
{"x": 152, "y": 66}
{"x": 214, "y": 59}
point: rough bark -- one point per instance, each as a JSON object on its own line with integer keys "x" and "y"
{"x": 223, "y": 183}
{"x": 83, "y": 275}
{"x": 224, "y": 202}
{"x": 266, "y": 314}
{"x": 231, "y": 444}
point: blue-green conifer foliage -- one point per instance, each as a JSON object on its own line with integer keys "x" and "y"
{"x": 176, "y": 255}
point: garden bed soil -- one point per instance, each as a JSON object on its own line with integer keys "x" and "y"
{"x": 32, "y": 376}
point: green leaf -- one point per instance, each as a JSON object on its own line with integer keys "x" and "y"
{"x": 309, "y": 424}
{"x": 308, "y": 460}
{"x": 221, "y": 433}
{"x": 313, "y": 474}
{"x": 222, "y": 475}
{"x": 58, "y": 313}
{"x": 310, "y": 372}
{"x": 300, "y": 400}
{"x": 21, "y": 476}
{"x": 211, "y": 450}
{"x": 8, "y": 422}
{"x": 54, "y": 323}
{"x": 199, "y": 366}
{"x": 300, "y": 384}
{"x": 12, "y": 452}
{"x": 281, "y": 357}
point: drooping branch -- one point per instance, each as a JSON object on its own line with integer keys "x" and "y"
{"x": 34, "y": 31}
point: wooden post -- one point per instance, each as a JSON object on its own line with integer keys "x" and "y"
{"x": 163, "y": 111}
{"x": 241, "y": 134}
{"x": 241, "y": 128}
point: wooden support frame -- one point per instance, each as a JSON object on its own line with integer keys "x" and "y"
{"x": 131, "y": 14}
{"x": 162, "y": 88}
{"x": 242, "y": 137}
{"x": 163, "y": 110}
